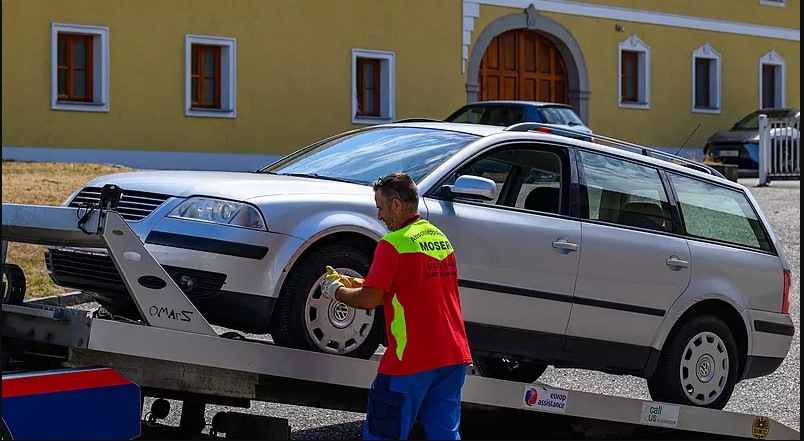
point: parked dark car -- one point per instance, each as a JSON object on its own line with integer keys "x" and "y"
{"x": 506, "y": 113}
{"x": 740, "y": 144}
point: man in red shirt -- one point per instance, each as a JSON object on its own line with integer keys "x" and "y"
{"x": 415, "y": 276}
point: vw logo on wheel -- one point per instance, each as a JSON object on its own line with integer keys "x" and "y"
{"x": 703, "y": 369}
{"x": 341, "y": 312}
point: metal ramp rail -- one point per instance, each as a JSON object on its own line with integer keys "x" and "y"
{"x": 174, "y": 353}
{"x": 779, "y": 149}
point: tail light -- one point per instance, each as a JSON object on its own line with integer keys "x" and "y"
{"x": 786, "y": 297}
{"x": 544, "y": 129}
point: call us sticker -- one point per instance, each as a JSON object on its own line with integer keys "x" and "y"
{"x": 760, "y": 427}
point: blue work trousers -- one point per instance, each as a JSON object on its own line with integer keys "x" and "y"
{"x": 434, "y": 395}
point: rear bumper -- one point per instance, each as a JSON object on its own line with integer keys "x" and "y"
{"x": 760, "y": 366}
{"x": 771, "y": 335}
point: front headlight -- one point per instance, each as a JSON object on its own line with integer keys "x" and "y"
{"x": 219, "y": 211}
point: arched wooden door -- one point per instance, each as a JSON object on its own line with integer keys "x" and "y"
{"x": 523, "y": 65}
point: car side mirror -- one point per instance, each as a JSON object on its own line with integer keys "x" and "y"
{"x": 473, "y": 187}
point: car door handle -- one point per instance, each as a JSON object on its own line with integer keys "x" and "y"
{"x": 677, "y": 261}
{"x": 563, "y": 244}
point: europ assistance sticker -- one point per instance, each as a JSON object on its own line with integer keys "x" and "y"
{"x": 543, "y": 398}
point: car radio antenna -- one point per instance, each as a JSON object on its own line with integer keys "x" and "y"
{"x": 685, "y": 141}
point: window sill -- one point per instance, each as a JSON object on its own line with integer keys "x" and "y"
{"x": 81, "y": 106}
{"x": 777, "y": 4}
{"x": 210, "y": 113}
{"x": 371, "y": 120}
{"x": 634, "y": 105}
{"x": 711, "y": 110}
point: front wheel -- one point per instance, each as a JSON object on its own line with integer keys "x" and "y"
{"x": 698, "y": 365}
{"x": 304, "y": 319}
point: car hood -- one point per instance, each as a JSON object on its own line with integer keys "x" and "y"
{"x": 228, "y": 185}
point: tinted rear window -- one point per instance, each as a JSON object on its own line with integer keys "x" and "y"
{"x": 494, "y": 115}
{"x": 721, "y": 214}
{"x": 559, "y": 115}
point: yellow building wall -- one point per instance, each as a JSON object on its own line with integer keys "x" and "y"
{"x": 670, "y": 119}
{"x": 743, "y": 11}
{"x": 293, "y": 70}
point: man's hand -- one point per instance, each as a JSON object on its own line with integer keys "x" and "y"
{"x": 332, "y": 281}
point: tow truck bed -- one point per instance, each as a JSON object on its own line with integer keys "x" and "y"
{"x": 175, "y": 353}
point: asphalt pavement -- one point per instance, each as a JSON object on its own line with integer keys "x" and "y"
{"x": 776, "y": 396}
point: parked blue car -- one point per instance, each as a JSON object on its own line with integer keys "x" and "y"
{"x": 507, "y": 113}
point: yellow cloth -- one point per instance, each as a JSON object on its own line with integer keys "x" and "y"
{"x": 347, "y": 281}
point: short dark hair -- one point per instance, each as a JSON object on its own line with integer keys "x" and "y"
{"x": 401, "y": 186}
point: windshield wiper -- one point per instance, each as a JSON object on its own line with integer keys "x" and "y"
{"x": 317, "y": 176}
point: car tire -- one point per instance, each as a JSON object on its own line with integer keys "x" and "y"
{"x": 698, "y": 365}
{"x": 302, "y": 319}
{"x": 504, "y": 369}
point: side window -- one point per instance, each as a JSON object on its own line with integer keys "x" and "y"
{"x": 527, "y": 178}
{"x": 494, "y": 169}
{"x": 712, "y": 212}
{"x": 625, "y": 193}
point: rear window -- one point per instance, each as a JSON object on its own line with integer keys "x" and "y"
{"x": 716, "y": 213}
{"x": 494, "y": 115}
{"x": 559, "y": 115}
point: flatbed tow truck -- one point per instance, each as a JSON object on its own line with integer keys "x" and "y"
{"x": 174, "y": 353}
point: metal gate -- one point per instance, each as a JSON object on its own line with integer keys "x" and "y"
{"x": 779, "y": 149}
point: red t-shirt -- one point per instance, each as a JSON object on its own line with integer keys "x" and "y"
{"x": 416, "y": 268}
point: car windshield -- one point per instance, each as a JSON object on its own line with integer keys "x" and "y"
{"x": 751, "y": 122}
{"x": 364, "y": 156}
{"x": 559, "y": 115}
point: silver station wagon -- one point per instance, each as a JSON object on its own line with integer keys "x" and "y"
{"x": 574, "y": 254}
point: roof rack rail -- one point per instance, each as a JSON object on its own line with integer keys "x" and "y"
{"x": 647, "y": 151}
{"x": 410, "y": 120}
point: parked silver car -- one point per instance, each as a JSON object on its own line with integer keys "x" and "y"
{"x": 570, "y": 253}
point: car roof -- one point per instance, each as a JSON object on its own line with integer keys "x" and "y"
{"x": 473, "y": 129}
{"x": 486, "y": 130}
{"x": 524, "y": 103}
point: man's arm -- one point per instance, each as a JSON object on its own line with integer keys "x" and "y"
{"x": 365, "y": 297}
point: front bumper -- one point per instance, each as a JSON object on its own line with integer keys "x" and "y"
{"x": 234, "y": 271}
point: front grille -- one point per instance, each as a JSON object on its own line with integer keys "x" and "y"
{"x": 96, "y": 271}
{"x": 133, "y": 206}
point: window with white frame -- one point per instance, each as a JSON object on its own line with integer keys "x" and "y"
{"x": 211, "y": 76}
{"x": 634, "y": 73}
{"x": 705, "y": 80}
{"x": 79, "y": 67}
{"x": 373, "y": 89}
{"x": 771, "y": 80}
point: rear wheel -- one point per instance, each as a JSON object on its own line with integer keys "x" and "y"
{"x": 304, "y": 319}
{"x": 698, "y": 365}
{"x": 509, "y": 370}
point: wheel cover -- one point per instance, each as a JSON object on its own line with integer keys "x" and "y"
{"x": 334, "y": 327}
{"x": 704, "y": 369}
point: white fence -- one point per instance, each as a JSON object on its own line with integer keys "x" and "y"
{"x": 779, "y": 149}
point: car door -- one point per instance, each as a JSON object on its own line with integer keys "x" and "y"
{"x": 632, "y": 265}
{"x": 517, "y": 254}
